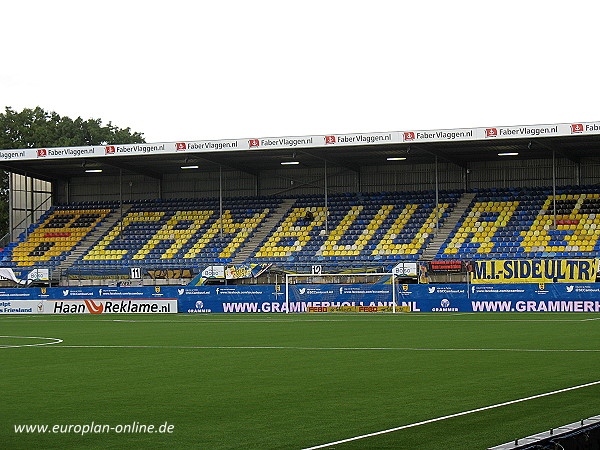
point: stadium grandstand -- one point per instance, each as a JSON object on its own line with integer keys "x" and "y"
{"x": 343, "y": 202}
{"x": 460, "y": 231}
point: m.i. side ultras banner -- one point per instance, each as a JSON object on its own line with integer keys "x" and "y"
{"x": 535, "y": 271}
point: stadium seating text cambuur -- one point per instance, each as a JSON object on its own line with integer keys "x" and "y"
{"x": 359, "y": 229}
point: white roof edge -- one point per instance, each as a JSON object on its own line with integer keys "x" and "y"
{"x": 292, "y": 142}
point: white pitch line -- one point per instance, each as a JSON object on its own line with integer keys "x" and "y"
{"x": 273, "y": 347}
{"x": 450, "y": 416}
{"x": 404, "y": 319}
{"x": 54, "y": 341}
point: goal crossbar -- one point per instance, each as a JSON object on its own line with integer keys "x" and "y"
{"x": 290, "y": 276}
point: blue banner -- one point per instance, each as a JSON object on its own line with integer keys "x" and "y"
{"x": 524, "y": 297}
{"x": 90, "y": 293}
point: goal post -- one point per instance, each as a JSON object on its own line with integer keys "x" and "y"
{"x": 341, "y": 292}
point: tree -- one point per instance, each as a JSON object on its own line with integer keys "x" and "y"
{"x": 32, "y": 128}
{"x": 37, "y": 128}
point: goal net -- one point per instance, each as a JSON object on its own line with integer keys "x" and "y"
{"x": 342, "y": 292}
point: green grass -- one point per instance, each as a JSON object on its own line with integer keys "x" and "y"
{"x": 297, "y": 397}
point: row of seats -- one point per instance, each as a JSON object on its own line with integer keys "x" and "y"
{"x": 527, "y": 223}
{"x": 380, "y": 227}
{"x": 58, "y": 232}
{"x": 352, "y": 229}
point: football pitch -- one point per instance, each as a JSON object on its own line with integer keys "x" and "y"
{"x": 276, "y": 381}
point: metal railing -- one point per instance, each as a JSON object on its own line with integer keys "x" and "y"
{"x": 7, "y": 238}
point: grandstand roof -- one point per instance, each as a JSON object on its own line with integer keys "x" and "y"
{"x": 353, "y": 151}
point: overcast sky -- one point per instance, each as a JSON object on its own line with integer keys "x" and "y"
{"x": 192, "y": 70}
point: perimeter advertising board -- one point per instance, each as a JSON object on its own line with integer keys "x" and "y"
{"x": 451, "y": 298}
{"x": 540, "y": 297}
{"x": 109, "y": 306}
{"x": 20, "y": 307}
{"x": 88, "y": 306}
{"x": 88, "y": 300}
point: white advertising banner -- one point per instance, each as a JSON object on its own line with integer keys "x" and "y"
{"x": 21, "y": 306}
{"x": 356, "y": 139}
{"x": 88, "y": 306}
{"x": 392, "y": 137}
{"x": 214, "y": 272}
{"x": 282, "y": 142}
{"x": 526, "y": 131}
{"x": 108, "y": 306}
{"x": 464, "y": 134}
{"x": 6, "y": 273}
{"x": 39, "y": 275}
{"x": 209, "y": 146}
{"x": 407, "y": 269}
